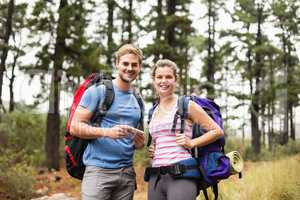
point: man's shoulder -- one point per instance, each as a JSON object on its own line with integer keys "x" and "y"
{"x": 96, "y": 89}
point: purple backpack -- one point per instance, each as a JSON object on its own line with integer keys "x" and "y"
{"x": 214, "y": 165}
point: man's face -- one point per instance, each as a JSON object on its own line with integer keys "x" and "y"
{"x": 128, "y": 67}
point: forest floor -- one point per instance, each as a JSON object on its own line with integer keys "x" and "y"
{"x": 280, "y": 181}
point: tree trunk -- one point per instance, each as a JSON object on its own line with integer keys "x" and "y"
{"x": 110, "y": 21}
{"x": 170, "y": 36}
{"x": 53, "y": 118}
{"x": 256, "y": 134}
{"x": 185, "y": 85}
{"x": 292, "y": 125}
{"x": 129, "y": 27}
{"x": 8, "y": 32}
{"x": 284, "y": 134}
{"x": 263, "y": 124}
{"x": 210, "y": 57}
{"x": 255, "y": 139}
{"x": 271, "y": 107}
{"x": 11, "y": 84}
{"x": 159, "y": 27}
{"x": 290, "y": 82}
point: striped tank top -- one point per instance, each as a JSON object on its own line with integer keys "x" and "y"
{"x": 167, "y": 151}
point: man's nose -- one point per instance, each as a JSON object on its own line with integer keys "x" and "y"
{"x": 129, "y": 67}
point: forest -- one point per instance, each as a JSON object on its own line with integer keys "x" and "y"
{"x": 243, "y": 54}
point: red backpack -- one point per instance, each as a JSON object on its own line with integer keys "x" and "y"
{"x": 75, "y": 146}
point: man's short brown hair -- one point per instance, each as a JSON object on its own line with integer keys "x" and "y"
{"x": 129, "y": 49}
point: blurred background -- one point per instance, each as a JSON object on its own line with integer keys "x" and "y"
{"x": 244, "y": 54}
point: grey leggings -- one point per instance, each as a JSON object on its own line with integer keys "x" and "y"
{"x": 168, "y": 188}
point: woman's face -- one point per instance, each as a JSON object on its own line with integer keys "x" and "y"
{"x": 164, "y": 81}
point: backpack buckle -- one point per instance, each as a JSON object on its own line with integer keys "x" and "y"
{"x": 178, "y": 170}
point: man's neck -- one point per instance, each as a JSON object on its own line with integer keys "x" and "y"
{"x": 122, "y": 85}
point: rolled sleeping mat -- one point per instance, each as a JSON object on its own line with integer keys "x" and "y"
{"x": 236, "y": 162}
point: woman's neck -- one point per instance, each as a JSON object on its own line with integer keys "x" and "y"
{"x": 167, "y": 101}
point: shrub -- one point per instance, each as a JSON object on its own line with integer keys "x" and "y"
{"x": 24, "y": 131}
{"x": 16, "y": 176}
{"x": 247, "y": 151}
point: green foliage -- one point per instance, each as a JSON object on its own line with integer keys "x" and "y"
{"x": 24, "y": 131}
{"x": 235, "y": 144}
{"x": 16, "y": 176}
{"x": 277, "y": 152}
{"x": 141, "y": 158}
{"x": 247, "y": 152}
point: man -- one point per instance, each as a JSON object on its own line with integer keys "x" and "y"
{"x": 109, "y": 173}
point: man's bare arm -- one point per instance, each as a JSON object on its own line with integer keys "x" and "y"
{"x": 80, "y": 127}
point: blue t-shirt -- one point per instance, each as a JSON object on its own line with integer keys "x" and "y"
{"x": 106, "y": 152}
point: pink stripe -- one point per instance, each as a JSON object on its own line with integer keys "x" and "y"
{"x": 160, "y": 131}
{"x": 163, "y": 135}
{"x": 167, "y": 141}
{"x": 187, "y": 129}
{"x": 168, "y": 153}
{"x": 168, "y": 160}
{"x": 163, "y": 147}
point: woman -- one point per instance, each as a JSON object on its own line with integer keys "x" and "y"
{"x": 170, "y": 147}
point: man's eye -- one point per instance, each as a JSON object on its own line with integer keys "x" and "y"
{"x": 126, "y": 63}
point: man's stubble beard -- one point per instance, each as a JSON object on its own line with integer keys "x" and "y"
{"x": 125, "y": 80}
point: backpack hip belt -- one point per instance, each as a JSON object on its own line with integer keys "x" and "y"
{"x": 176, "y": 170}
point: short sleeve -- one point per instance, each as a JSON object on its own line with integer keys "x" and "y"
{"x": 91, "y": 97}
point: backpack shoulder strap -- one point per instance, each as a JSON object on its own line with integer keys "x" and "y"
{"x": 182, "y": 112}
{"x": 183, "y": 104}
{"x": 104, "y": 106}
{"x": 150, "y": 113}
{"x": 142, "y": 108}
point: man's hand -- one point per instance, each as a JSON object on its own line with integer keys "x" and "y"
{"x": 139, "y": 140}
{"x": 118, "y": 131}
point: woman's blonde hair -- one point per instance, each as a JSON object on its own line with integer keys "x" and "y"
{"x": 129, "y": 49}
{"x": 165, "y": 63}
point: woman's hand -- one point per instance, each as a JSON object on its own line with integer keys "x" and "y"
{"x": 151, "y": 151}
{"x": 183, "y": 140}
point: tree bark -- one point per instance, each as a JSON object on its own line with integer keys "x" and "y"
{"x": 170, "y": 35}
{"x": 53, "y": 118}
{"x": 292, "y": 125}
{"x": 256, "y": 134}
{"x": 110, "y": 21}
{"x": 284, "y": 134}
{"x": 7, "y": 34}
{"x": 210, "y": 57}
{"x": 11, "y": 84}
{"x": 159, "y": 27}
{"x": 129, "y": 27}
